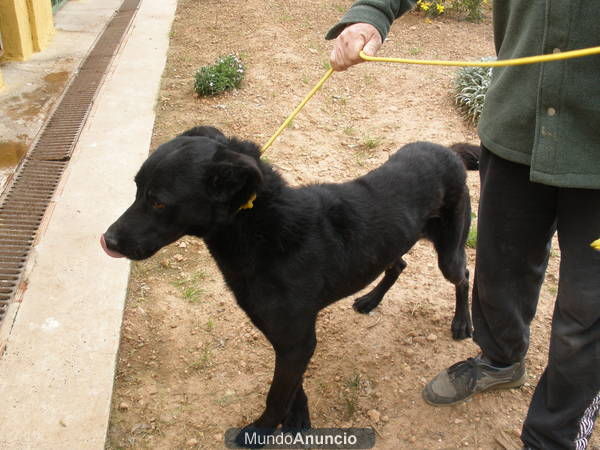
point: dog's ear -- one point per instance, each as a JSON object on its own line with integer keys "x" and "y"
{"x": 209, "y": 132}
{"x": 232, "y": 177}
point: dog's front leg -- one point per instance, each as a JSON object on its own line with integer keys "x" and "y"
{"x": 286, "y": 399}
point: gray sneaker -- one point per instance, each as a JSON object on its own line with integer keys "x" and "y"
{"x": 467, "y": 378}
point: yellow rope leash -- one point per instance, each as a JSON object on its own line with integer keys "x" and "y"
{"x": 295, "y": 112}
{"x": 505, "y": 62}
{"x": 501, "y": 63}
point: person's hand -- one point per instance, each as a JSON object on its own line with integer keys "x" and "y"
{"x": 347, "y": 46}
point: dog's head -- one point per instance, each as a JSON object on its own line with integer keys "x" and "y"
{"x": 189, "y": 185}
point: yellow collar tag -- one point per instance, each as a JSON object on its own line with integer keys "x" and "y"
{"x": 596, "y": 244}
{"x": 250, "y": 203}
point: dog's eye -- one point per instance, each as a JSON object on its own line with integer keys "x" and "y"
{"x": 158, "y": 205}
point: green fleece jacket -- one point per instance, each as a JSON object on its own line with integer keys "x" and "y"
{"x": 546, "y": 116}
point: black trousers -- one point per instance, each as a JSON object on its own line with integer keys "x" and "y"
{"x": 517, "y": 219}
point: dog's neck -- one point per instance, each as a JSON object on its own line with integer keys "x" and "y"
{"x": 264, "y": 232}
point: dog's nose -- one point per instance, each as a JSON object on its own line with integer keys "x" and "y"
{"x": 108, "y": 242}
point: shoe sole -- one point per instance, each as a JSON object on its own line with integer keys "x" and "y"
{"x": 496, "y": 387}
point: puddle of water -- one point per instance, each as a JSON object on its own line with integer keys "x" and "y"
{"x": 29, "y": 105}
{"x": 10, "y": 155}
{"x": 57, "y": 77}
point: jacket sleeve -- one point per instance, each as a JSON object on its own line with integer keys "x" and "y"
{"x": 379, "y": 13}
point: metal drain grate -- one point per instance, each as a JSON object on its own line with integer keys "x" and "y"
{"x": 24, "y": 203}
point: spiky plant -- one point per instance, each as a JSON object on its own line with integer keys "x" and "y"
{"x": 226, "y": 73}
{"x": 471, "y": 85}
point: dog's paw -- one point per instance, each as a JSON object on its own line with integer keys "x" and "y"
{"x": 252, "y": 436}
{"x": 461, "y": 329}
{"x": 365, "y": 304}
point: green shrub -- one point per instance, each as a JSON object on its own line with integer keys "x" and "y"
{"x": 226, "y": 73}
{"x": 472, "y": 8}
{"x": 471, "y": 85}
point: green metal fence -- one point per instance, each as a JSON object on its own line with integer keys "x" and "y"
{"x": 56, "y": 4}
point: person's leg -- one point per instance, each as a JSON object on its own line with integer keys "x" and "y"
{"x": 567, "y": 398}
{"x": 515, "y": 225}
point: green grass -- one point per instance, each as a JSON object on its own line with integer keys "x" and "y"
{"x": 226, "y": 73}
{"x": 472, "y": 238}
{"x": 350, "y": 396}
{"x": 188, "y": 287}
{"x": 204, "y": 360}
{"x": 370, "y": 143}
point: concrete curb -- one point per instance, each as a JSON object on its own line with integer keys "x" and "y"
{"x": 56, "y": 376}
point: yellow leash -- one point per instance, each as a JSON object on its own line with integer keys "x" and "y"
{"x": 501, "y": 63}
{"x": 295, "y": 112}
{"x": 505, "y": 62}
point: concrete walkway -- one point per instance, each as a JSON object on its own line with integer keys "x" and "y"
{"x": 56, "y": 375}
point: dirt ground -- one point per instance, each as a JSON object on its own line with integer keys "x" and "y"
{"x": 191, "y": 364}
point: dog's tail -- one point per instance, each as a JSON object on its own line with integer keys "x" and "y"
{"x": 468, "y": 153}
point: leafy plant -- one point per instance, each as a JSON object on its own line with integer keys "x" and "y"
{"x": 471, "y": 86}
{"x": 473, "y": 9}
{"x": 226, "y": 73}
{"x": 431, "y": 8}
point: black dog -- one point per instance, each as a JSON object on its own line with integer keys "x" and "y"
{"x": 470, "y": 154}
{"x": 298, "y": 250}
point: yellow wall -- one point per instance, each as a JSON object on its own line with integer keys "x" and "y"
{"x": 41, "y": 23}
{"x": 26, "y": 27}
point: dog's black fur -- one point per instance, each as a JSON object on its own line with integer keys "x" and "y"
{"x": 299, "y": 249}
{"x": 470, "y": 154}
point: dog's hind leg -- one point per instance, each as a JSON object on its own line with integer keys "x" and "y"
{"x": 461, "y": 326}
{"x": 449, "y": 234}
{"x": 368, "y": 302}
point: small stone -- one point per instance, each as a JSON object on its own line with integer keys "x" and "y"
{"x": 63, "y": 423}
{"x": 182, "y": 244}
{"x": 413, "y": 439}
{"x": 457, "y": 421}
{"x": 191, "y": 442}
{"x": 178, "y": 257}
{"x": 374, "y": 415}
{"x": 123, "y": 406}
{"x": 385, "y": 419}
{"x": 218, "y": 437}
{"x": 432, "y": 337}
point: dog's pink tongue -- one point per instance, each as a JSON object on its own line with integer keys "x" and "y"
{"x": 108, "y": 251}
